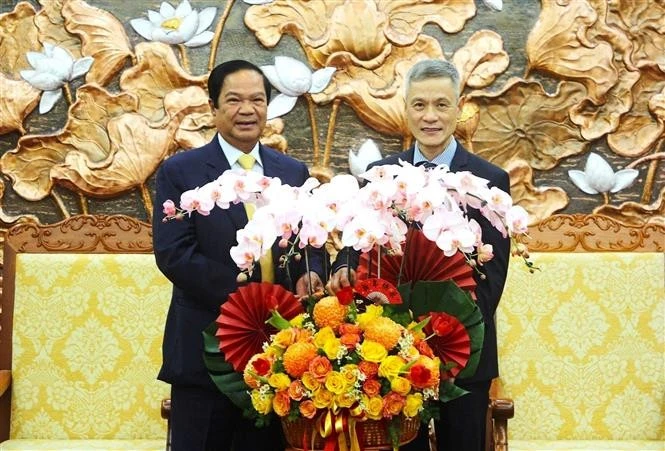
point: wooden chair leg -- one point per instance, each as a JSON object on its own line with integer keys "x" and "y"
{"x": 166, "y": 414}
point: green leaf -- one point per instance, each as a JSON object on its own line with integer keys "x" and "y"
{"x": 278, "y": 321}
{"x": 227, "y": 380}
{"x": 449, "y": 391}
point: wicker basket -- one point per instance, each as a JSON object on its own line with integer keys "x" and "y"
{"x": 374, "y": 433}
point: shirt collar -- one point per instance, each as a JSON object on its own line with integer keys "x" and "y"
{"x": 232, "y": 153}
{"x": 445, "y": 157}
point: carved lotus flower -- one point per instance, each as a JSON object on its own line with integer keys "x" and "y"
{"x": 51, "y": 70}
{"x": 181, "y": 25}
{"x": 292, "y": 79}
{"x": 598, "y": 176}
{"x": 360, "y": 159}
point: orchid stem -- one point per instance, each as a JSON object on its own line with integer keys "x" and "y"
{"x": 331, "y": 132}
{"x": 315, "y": 130}
{"x": 309, "y": 275}
{"x": 218, "y": 34}
{"x": 61, "y": 205}
{"x": 183, "y": 57}
{"x": 68, "y": 94}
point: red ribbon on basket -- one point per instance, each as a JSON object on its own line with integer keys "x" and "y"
{"x": 338, "y": 428}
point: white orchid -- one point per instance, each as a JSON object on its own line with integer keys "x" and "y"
{"x": 52, "y": 69}
{"x": 599, "y": 177}
{"x": 181, "y": 25}
{"x": 292, "y": 79}
{"x": 366, "y": 154}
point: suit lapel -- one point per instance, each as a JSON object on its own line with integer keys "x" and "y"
{"x": 272, "y": 167}
{"x": 460, "y": 160}
{"x": 217, "y": 163}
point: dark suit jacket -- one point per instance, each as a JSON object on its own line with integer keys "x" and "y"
{"x": 489, "y": 290}
{"x": 194, "y": 254}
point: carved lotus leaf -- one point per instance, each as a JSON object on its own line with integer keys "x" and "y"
{"x": 7, "y": 220}
{"x": 644, "y": 24}
{"x": 103, "y": 37}
{"x": 376, "y": 95}
{"x": 156, "y": 73}
{"x": 137, "y": 148}
{"x": 18, "y": 99}
{"x": 636, "y": 214}
{"x": 195, "y": 130}
{"x": 51, "y": 26}
{"x": 561, "y": 43}
{"x": 481, "y": 59}
{"x": 272, "y": 135}
{"x": 86, "y": 132}
{"x": 407, "y": 17}
{"x": 525, "y": 122}
{"x": 18, "y": 36}
{"x": 598, "y": 120}
{"x": 540, "y": 202}
{"x": 639, "y": 130}
{"x": 358, "y": 32}
{"x": 467, "y": 122}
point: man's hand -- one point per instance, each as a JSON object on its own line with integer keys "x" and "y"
{"x": 343, "y": 277}
{"x": 303, "y": 287}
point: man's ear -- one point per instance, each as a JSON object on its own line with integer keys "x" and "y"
{"x": 212, "y": 106}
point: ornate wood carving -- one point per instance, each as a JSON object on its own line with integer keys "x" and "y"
{"x": 594, "y": 233}
{"x": 83, "y": 233}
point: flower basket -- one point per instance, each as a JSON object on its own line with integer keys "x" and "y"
{"x": 372, "y": 434}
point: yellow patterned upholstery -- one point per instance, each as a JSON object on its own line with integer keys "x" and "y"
{"x": 86, "y": 352}
{"x": 582, "y": 351}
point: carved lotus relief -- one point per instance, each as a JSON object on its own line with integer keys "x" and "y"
{"x": 18, "y": 36}
{"x": 636, "y": 214}
{"x": 18, "y": 99}
{"x": 524, "y": 122}
{"x": 481, "y": 59}
{"x": 51, "y": 26}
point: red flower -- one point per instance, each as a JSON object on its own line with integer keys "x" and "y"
{"x": 419, "y": 375}
{"x": 442, "y": 323}
{"x": 369, "y": 369}
{"x": 261, "y": 366}
{"x": 424, "y": 349}
{"x": 345, "y": 295}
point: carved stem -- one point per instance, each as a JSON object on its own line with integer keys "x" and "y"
{"x": 84, "y": 204}
{"x": 315, "y": 130}
{"x": 68, "y": 94}
{"x": 606, "y": 198}
{"x": 331, "y": 132}
{"x": 218, "y": 34}
{"x": 183, "y": 57}
{"x": 651, "y": 173}
{"x": 147, "y": 200}
{"x": 61, "y": 205}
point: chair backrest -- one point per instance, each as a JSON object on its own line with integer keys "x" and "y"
{"x": 83, "y": 312}
{"x": 582, "y": 341}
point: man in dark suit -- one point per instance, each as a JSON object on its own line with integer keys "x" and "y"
{"x": 194, "y": 254}
{"x": 432, "y": 109}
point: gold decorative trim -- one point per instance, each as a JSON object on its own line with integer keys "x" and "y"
{"x": 594, "y": 233}
{"x": 83, "y": 233}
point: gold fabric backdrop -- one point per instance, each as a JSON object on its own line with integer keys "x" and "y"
{"x": 545, "y": 85}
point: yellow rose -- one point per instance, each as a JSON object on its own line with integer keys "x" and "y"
{"x": 322, "y": 398}
{"x": 373, "y": 311}
{"x": 279, "y": 381}
{"x": 262, "y": 403}
{"x": 345, "y": 400}
{"x": 297, "y": 320}
{"x": 390, "y": 366}
{"x": 281, "y": 403}
{"x": 323, "y": 335}
{"x": 374, "y": 407}
{"x": 372, "y": 351}
{"x": 331, "y": 348}
{"x": 274, "y": 351}
{"x": 400, "y": 385}
{"x": 335, "y": 382}
{"x": 350, "y": 373}
{"x": 284, "y": 338}
{"x": 413, "y": 405}
{"x": 310, "y": 382}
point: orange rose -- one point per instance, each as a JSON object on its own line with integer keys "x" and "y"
{"x": 350, "y": 340}
{"x": 348, "y": 328}
{"x": 424, "y": 349}
{"x": 371, "y": 387}
{"x": 320, "y": 367}
{"x": 392, "y": 404}
{"x": 369, "y": 369}
{"x": 281, "y": 403}
{"x": 296, "y": 390}
{"x": 307, "y": 409}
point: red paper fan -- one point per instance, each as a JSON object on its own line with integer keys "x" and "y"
{"x": 424, "y": 261}
{"x": 451, "y": 342}
{"x": 378, "y": 291}
{"x": 241, "y": 325}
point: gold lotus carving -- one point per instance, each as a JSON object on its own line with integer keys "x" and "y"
{"x": 635, "y": 214}
{"x": 18, "y": 35}
{"x": 18, "y": 99}
{"x": 525, "y": 122}
{"x": 51, "y": 26}
{"x": 481, "y": 59}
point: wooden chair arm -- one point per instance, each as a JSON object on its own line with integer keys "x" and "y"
{"x": 166, "y": 408}
{"x": 502, "y": 410}
{"x": 5, "y": 381}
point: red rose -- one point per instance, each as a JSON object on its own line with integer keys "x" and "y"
{"x": 345, "y": 295}
{"x": 261, "y": 366}
{"x": 419, "y": 375}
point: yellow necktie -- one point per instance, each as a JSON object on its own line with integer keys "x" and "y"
{"x": 265, "y": 262}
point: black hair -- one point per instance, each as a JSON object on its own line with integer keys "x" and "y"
{"x": 219, "y": 73}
